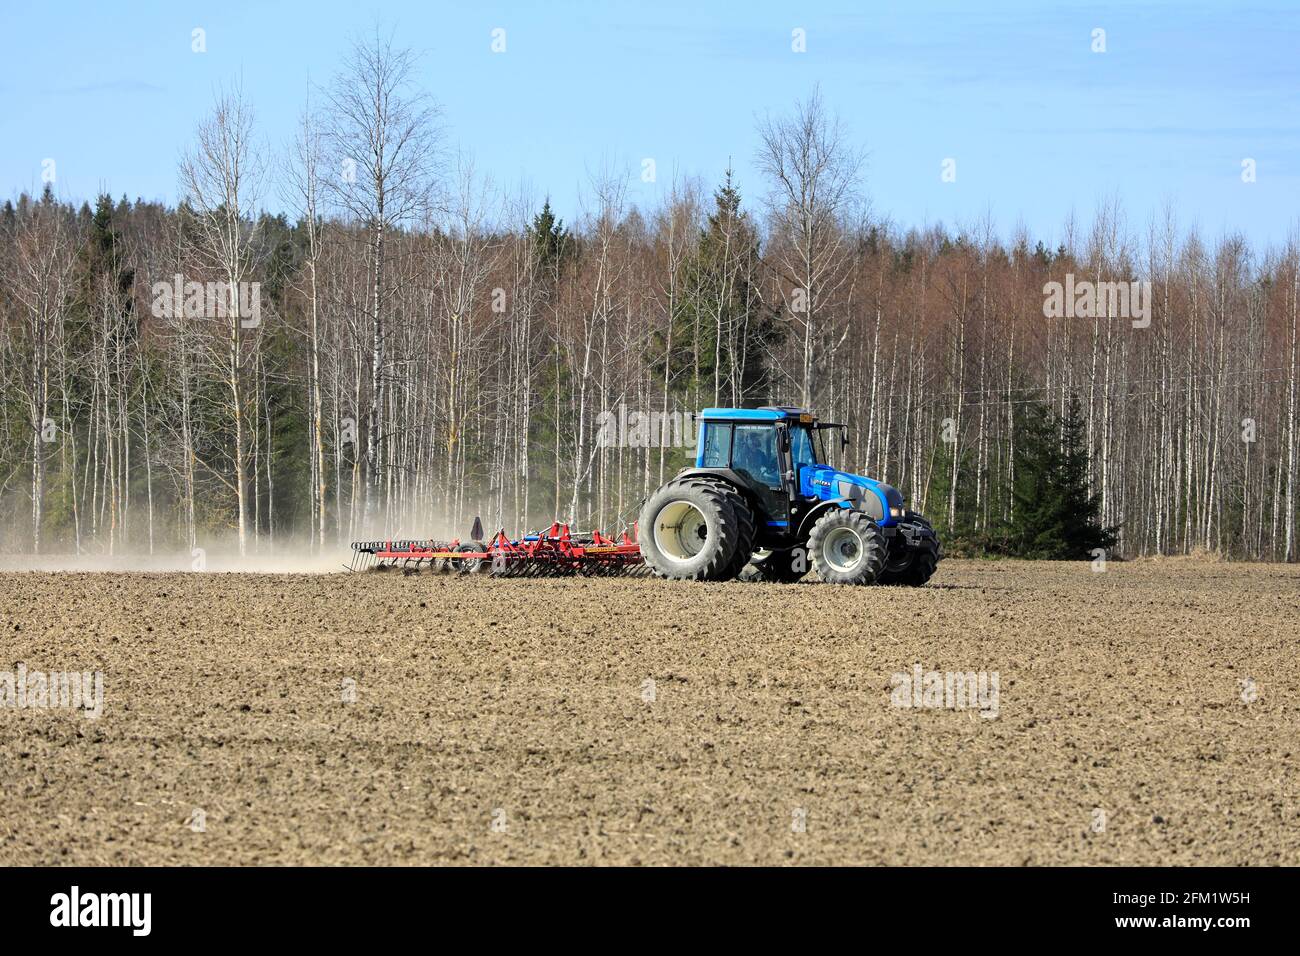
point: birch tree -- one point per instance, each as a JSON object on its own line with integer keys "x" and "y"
{"x": 221, "y": 178}
{"x": 814, "y": 174}
{"x": 384, "y": 136}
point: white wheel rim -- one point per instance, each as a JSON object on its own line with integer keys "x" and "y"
{"x": 843, "y": 550}
{"x": 680, "y": 531}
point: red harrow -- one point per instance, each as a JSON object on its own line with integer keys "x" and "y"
{"x": 556, "y": 552}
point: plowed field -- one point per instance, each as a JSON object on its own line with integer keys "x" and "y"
{"x": 1147, "y": 714}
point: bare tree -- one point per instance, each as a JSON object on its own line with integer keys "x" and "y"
{"x": 220, "y": 177}
{"x": 384, "y": 135}
{"x": 43, "y": 287}
{"x": 815, "y": 178}
{"x": 302, "y": 187}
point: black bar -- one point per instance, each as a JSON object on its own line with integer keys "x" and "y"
{"x": 960, "y": 905}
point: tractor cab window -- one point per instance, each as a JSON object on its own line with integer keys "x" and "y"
{"x": 802, "y": 448}
{"x": 754, "y": 454}
{"x": 717, "y": 446}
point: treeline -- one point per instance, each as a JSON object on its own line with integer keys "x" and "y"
{"x": 409, "y": 347}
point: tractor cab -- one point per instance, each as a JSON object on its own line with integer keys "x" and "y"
{"x": 753, "y": 448}
{"x": 782, "y": 457}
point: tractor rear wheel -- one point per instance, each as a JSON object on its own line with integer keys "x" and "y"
{"x": 696, "y": 529}
{"x": 781, "y": 566}
{"x": 746, "y": 526}
{"x": 847, "y": 547}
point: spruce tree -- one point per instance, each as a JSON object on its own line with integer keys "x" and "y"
{"x": 717, "y": 283}
{"x": 1055, "y": 516}
{"x": 552, "y": 242}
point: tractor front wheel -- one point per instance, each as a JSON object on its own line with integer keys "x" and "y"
{"x": 912, "y": 565}
{"x": 914, "y": 569}
{"x": 694, "y": 529}
{"x": 847, "y": 547}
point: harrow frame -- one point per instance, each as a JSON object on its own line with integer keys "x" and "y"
{"x": 555, "y": 552}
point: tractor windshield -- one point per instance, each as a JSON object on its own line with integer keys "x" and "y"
{"x": 828, "y": 449}
{"x": 803, "y": 448}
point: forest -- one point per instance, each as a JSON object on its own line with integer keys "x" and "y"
{"x": 404, "y": 345}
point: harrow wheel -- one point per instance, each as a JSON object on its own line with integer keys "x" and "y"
{"x": 471, "y": 565}
{"x": 847, "y": 547}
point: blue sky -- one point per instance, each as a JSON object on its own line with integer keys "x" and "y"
{"x": 1039, "y": 125}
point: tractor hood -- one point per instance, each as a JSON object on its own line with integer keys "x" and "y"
{"x": 882, "y": 502}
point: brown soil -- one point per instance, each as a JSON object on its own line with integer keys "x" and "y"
{"x": 523, "y": 702}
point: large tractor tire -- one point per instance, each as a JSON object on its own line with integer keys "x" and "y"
{"x": 847, "y": 547}
{"x": 746, "y": 525}
{"x": 913, "y": 569}
{"x": 914, "y": 566}
{"x": 783, "y": 566}
{"x": 696, "y": 529}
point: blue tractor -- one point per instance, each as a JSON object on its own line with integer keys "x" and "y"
{"x": 762, "y": 504}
